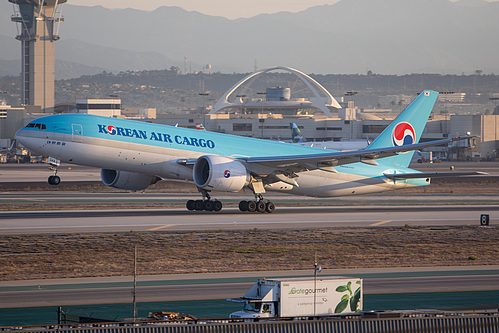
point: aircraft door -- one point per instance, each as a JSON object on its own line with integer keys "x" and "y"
{"x": 77, "y": 132}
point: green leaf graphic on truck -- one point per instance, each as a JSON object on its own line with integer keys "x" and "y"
{"x": 352, "y": 298}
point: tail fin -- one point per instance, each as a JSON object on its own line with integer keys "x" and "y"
{"x": 407, "y": 127}
{"x": 296, "y": 134}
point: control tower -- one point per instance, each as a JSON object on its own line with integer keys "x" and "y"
{"x": 38, "y": 27}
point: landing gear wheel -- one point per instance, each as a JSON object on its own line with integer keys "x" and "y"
{"x": 54, "y": 180}
{"x": 243, "y": 206}
{"x": 260, "y": 207}
{"x": 269, "y": 207}
{"x": 217, "y": 206}
{"x": 198, "y": 204}
{"x": 251, "y": 206}
{"x": 208, "y": 205}
{"x": 190, "y": 205}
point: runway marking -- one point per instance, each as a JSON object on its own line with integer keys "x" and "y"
{"x": 379, "y": 223}
{"x": 161, "y": 227}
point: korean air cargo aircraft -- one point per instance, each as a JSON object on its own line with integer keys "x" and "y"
{"x": 134, "y": 155}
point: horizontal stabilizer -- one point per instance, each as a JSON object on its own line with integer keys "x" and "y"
{"x": 434, "y": 174}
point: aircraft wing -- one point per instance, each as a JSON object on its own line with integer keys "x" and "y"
{"x": 297, "y": 163}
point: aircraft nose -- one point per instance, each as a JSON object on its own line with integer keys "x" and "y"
{"x": 22, "y": 136}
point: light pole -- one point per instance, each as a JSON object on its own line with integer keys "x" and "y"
{"x": 351, "y": 93}
{"x": 205, "y": 105}
{"x": 495, "y": 99}
{"x": 134, "y": 283}
{"x": 446, "y": 111}
{"x": 261, "y": 120}
{"x": 241, "y": 97}
{"x": 317, "y": 269}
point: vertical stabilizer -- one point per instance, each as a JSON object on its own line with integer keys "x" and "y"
{"x": 296, "y": 134}
{"x": 407, "y": 127}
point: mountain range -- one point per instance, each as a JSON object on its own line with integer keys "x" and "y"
{"x": 350, "y": 36}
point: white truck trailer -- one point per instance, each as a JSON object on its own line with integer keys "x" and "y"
{"x": 301, "y": 297}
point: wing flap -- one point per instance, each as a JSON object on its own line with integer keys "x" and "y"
{"x": 434, "y": 174}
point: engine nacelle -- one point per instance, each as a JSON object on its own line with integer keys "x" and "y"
{"x": 219, "y": 173}
{"x": 125, "y": 180}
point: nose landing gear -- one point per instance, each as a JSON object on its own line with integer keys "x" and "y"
{"x": 54, "y": 179}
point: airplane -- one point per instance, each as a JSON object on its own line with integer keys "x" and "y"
{"x": 297, "y": 138}
{"x": 200, "y": 127}
{"x": 134, "y": 155}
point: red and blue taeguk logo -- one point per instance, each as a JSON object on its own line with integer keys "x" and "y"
{"x": 403, "y": 134}
{"x": 112, "y": 130}
{"x": 226, "y": 173}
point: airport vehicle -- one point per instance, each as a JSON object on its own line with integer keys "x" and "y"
{"x": 422, "y": 157}
{"x": 200, "y": 127}
{"x": 134, "y": 155}
{"x": 301, "y": 297}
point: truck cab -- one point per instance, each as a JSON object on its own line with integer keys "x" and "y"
{"x": 255, "y": 309}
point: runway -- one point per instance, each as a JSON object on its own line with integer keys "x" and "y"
{"x": 232, "y": 219}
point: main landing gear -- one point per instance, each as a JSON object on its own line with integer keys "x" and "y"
{"x": 257, "y": 206}
{"x": 206, "y": 204}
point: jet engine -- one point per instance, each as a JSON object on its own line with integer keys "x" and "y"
{"x": 219, "y": 173}
{"x": 125, "y": 180}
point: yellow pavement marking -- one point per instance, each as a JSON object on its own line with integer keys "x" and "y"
{"x": 379, "y": 223}
{"x": 163, "y": 226}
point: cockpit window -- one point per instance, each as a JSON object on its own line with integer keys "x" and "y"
{"x": 37, "y": 125}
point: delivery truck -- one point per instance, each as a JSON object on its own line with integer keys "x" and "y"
{"x": 301, "y": 297}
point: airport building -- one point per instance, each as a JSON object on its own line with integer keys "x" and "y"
{"x": 11, "y": 119}
{"x": 99, "y": 107}
{"x": 242, "y": 99}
